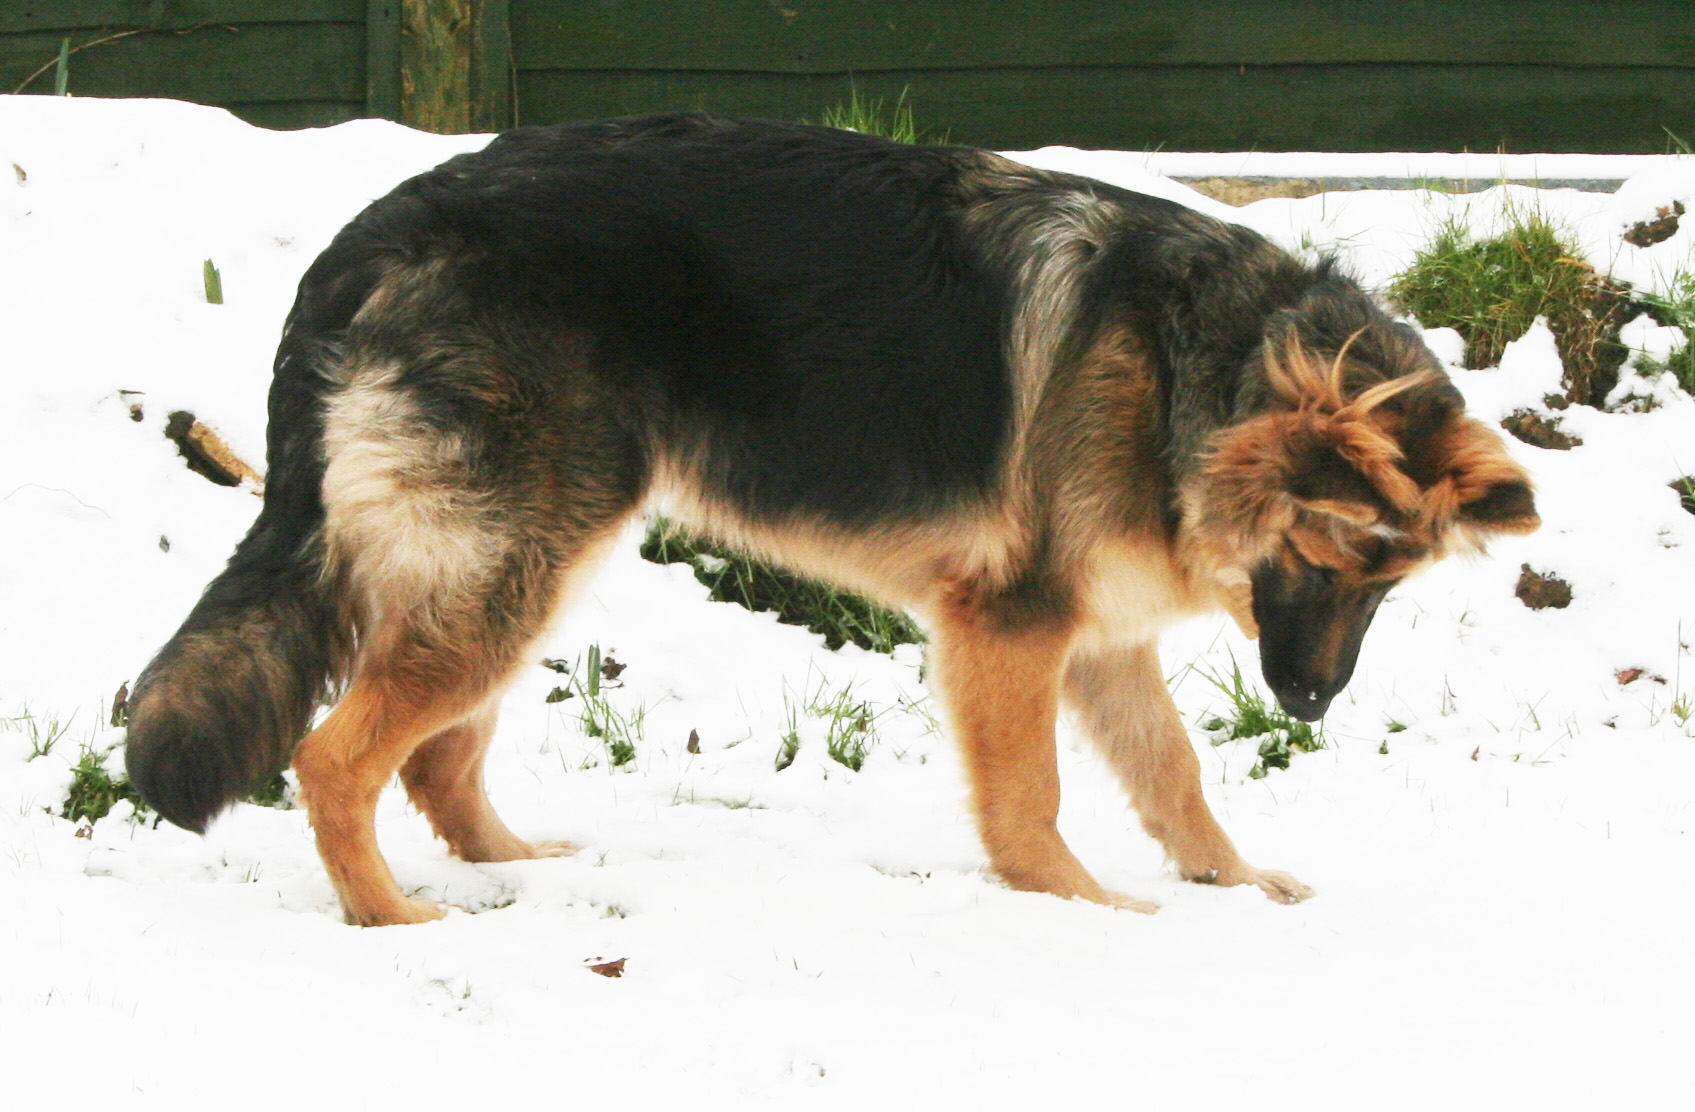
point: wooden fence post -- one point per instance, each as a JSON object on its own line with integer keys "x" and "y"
{"x": 440, "y": 65}
{"x": 435, "y": 65}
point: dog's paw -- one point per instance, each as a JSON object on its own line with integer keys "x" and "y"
{"x": 552, "y": 849}
{"x": 397, "y": 913}
{"x": 1281, "y": 887}
{"x": 1128, "y": 903}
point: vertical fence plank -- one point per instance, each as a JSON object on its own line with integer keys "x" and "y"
{"x": 382, "y": 59}
{"x": 491, "y": 67}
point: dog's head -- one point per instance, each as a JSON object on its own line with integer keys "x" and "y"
{"x": 1357, "y": 467}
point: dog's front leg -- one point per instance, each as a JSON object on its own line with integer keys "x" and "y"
{"x": 998, "y": 669}
{"x": 1122, "y": 702}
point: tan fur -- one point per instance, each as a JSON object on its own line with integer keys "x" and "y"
{"x": 444, "y": 777}
{"x": 1240, "y": 508}
{"x": 1123, "y": 706}
{"x": 419, "y": 554}
{"x": 900, "y": 563}
{"x": 399, "y": 521}
{"x": 1000, "y": 687}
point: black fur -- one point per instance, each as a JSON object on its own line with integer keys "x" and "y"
{"x": 773, "y": 286}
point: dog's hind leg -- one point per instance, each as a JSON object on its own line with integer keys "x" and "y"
{"x": 452, "y": 538}
{"x": 422, "y": 703}
{"x": 390, "y": 708}
{"x": 999, "y": 680}
{"x": 444, "y": 777}
{"x": 1122, "y": 702}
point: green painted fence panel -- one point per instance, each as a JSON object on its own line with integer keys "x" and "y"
{"x": 254, "y": 63}
{"x": 1188, "y": 108}
{"x": 276, "y": 63}
{"x": 52, "y": 15}
{"x": 862, "y": 36}
{"x": 1575, "y": 75}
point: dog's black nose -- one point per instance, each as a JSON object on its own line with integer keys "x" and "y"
{"x": 1303, "y": 702}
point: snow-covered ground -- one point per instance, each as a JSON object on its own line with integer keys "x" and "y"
{"x": 1505, "y": 885}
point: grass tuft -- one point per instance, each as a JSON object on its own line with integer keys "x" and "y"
{"x": 1677, "y": 309}
{"x": 839, "y": 616}
{"x": 850, "y": 727}
{"x": 871, "y": 116}
{"x": 1279, "y": 735}
{"x": 788, "y": 747}
{"x": 1685, "y": 487}
{"x": 618, "y": 732}
{"x": 43, "y": 732}
{"x": 1491, "y": 291}
{"x": 94, "y": 790}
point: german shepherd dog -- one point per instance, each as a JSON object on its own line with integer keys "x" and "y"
{"x": 1047, "y": 415}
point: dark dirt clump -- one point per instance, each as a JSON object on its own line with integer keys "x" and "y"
{"x": 1541, "y": 591}
{"x": 1539, "y": 431}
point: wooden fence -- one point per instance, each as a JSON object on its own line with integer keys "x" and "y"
{"x": 1547, "y": 75}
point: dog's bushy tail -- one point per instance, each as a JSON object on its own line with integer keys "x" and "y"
{"x": 218, "y": 712}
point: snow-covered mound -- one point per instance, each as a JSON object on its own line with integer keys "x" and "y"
{"x": 1498, "y": 830}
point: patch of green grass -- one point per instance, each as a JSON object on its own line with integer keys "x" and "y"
{"x": 619, "y": 732}
{"x": 1682, "y": 708}
{"x": 94, "y": 790}
{"x": 839, "y": 616}
{"x": 873, "y": 116}
{"x": 1685, "y": 488}
{"x": 42, "y": 731}
{"x": 1677, "y": 309}
{"x": 1279, "y": 735}
{"x": 1491, "y": 290}
{"x": 789, "y": 746}
{"x": 850, "y": 726}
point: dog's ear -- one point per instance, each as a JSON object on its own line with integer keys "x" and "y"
{"x": 1506, "y": 506}
{"x": 1483, "y": 490}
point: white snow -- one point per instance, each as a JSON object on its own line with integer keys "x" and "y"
{"x": 1504, "y": 895}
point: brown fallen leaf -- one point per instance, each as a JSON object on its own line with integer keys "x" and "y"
{"x": 613, "y": 968}
{"x": 610, "y": 669}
